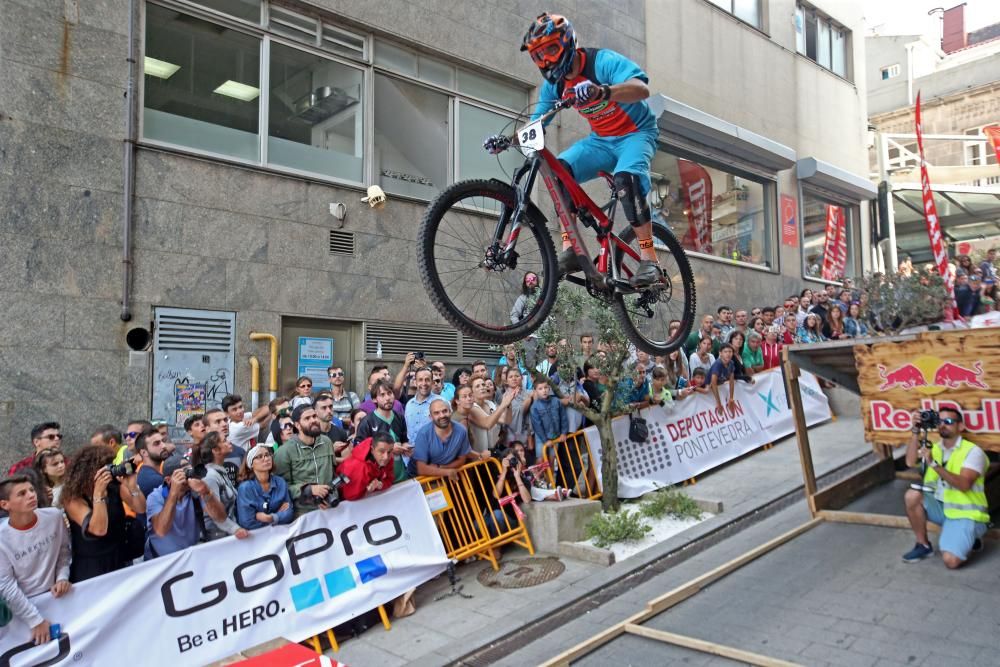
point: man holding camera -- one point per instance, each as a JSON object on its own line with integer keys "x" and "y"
{"x": 175, "y": 514}
{"x": 953, "y": 493}
{"x": 306, "y": 463}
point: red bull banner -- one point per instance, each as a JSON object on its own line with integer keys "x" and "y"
{"x": 696, "y": 184}
{"x": 835, "y": 246}
{"x": 931, "y": 216}
{"x": 949, "y": 368}
{"x": 992, "y": 133}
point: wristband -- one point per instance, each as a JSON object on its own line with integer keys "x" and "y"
{"x": 605, "y": 91}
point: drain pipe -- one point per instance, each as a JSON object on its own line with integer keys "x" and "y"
{"x": 254, "y": 383}
{"x": 128, "y": 161}
{"x": 273, "y": 364}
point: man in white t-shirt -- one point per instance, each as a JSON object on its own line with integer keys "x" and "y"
{"x": 34, "y": 553}
{"x": 244, "y": 427}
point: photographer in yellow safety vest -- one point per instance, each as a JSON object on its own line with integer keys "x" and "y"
{"x": 953, "y": 495}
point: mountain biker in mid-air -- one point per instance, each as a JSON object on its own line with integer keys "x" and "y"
{"x": 610, "y": 92}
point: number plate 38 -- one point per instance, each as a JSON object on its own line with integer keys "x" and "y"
{"x": 531, "y": 137}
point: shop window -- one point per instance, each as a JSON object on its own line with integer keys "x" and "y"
{"x": 315, "y": 114}
{"x": 203, "y": 92}
{"x": 202, "y": 87}
{"x": 822, "y": 40}
{"x": 714, "y": 211}
{"x": 474, "y": 123}
{"x": 829, "y": 238}
{"x": 412, "y": 138}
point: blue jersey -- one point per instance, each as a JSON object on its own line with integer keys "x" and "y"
{"x": 606, "y": 118}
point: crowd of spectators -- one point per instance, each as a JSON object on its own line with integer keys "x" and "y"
{"x": 136, "y": 493}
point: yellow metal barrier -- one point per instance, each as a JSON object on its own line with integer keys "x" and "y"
{"x": 571, "y": 466}
{"x": 465, "y": 515}
{"x": 316, "y": 644}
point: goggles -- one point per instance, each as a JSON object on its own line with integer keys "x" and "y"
{"x": 547, "y": 53}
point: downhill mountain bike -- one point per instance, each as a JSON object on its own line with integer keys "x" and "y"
{"x": 480, "y": 239}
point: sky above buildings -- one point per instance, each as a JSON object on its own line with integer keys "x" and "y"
{"x": 909, "y": 17}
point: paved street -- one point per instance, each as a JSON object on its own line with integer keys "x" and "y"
{"x": 444, "y": 631}
{"x": 837, "y": 595}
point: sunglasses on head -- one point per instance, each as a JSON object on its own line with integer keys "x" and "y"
{"x": 52, "y": 436}
{"x": 132, "y": 434}
{"x": 337, "y": 374}
{"x": 949, "y": 421}
{"x": 305, "y": 385}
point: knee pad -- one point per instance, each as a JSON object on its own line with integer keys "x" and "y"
{"x": 628, "y": 189}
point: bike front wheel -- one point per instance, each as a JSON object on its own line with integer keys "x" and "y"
{"x": 646, "y": 315}
{"x": 471, "y": 278}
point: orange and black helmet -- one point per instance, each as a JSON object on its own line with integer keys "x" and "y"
{"x": 551, "y": 42}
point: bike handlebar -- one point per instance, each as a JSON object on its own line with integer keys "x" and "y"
{"x": 558, "y": 106}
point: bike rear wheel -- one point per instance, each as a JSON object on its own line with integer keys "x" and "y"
{"x": 646, "y": 315}
{"x": 468, "y": 278}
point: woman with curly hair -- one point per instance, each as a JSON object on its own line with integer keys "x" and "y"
{"x": 93, "y": 500}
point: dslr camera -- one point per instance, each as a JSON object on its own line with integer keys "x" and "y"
{"x": 123, "y": 469}
{"x": 928, "y": 420}
{"x": 333, "y": 498}
{"x": 196, "y": 472}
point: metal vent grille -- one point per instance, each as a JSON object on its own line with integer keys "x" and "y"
{"x": 473, "y": 349}
{"x": 176, "y": 330}
{"x": 399, "y": 339}
{"x": 341, "y": 243}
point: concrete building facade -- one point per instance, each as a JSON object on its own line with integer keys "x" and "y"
{"x": 960, "y": 95}
{"x": 256, "y": 118}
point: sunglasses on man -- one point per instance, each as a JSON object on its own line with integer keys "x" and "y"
{"x": 949, "y": 421}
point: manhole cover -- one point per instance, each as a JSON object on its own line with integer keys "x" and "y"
{"x": 521, "y": 573}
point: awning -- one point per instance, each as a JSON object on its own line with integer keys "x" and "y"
{"x": 696, "y": 129}
{"x": 966, "y": 214}
{"x": 840, "y": 182}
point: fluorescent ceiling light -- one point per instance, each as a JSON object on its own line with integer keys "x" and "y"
{"x": 240, "y": 91}
{"x": 159, "y": 68}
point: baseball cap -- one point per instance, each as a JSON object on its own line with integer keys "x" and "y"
{"x": 173, "y": 464}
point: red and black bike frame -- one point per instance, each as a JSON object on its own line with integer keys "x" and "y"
{"x": 579, "y": 205}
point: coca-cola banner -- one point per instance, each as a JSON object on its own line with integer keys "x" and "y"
{"x": 992, "y": 132}
{"x": 835, "y": 246}
{"x": 931, "y": 216}
{"x": 696, "y": 186}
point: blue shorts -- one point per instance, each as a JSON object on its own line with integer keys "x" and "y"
{"x": 957, "y": 535}
{"x": 629, "y": 152}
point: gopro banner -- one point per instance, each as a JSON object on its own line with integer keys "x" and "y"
{"x": 693, "y": 435}
{"x": 211, "y": 601}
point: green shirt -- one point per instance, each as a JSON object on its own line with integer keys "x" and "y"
{"x": 752, "y": 359}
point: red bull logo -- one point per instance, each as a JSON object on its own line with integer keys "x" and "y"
{"x": 931, "y": 375}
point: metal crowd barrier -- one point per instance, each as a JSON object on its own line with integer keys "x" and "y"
{"x": 316, "y": 643}
{"x": 461, "y": 507}
{"x": 572, "y": 465}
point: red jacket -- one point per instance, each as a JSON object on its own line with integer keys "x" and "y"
{"x": 361, "y": 469}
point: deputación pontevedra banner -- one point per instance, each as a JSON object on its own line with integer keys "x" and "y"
{"x": 210, "y": 601}
{"x": 693, "y": 436}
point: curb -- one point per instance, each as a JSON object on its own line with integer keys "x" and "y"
{"x": 606, "y": 585}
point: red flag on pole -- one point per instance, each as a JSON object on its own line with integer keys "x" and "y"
{"x": 931, "y": 217}
{"x": 993, "y": 133}
{"x": 696, "y": 185}
{"x": 835, "y": 245}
